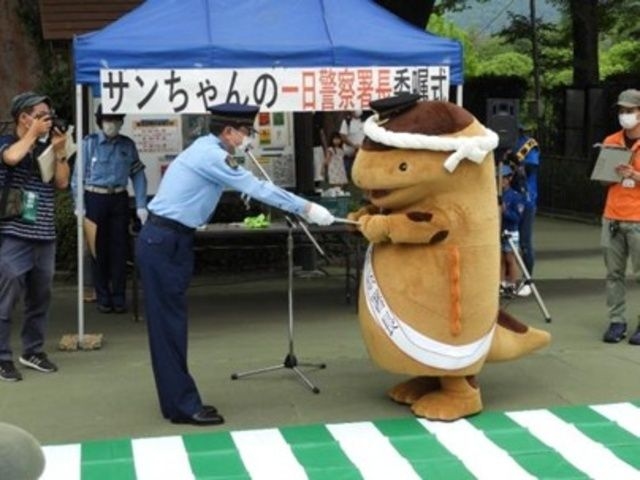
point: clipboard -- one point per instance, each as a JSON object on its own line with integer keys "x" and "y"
{"x": 608, "y": 159}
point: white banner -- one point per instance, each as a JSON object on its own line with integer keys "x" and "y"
{"x": 280, "y": 90}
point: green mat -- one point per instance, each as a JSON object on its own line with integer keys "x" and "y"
{"x": 599, "y": 442}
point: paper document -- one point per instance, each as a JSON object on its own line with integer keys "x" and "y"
{"x": 47, "y": 163}
{"x": 47, "y": 159}
{"x": 608, "y": 159}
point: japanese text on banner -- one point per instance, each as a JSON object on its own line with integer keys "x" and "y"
{"x": 284, "y": 89}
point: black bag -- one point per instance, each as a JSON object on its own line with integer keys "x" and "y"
{"x": 10, "y": 198}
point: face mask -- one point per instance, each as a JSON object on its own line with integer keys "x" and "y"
{"x": 111, "y": 129}
{"x": 245, "y": 144}
{"x": 628, "y": 120}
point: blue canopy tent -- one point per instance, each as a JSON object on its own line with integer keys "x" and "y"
{"x": 175, "y": 34}
{"x": 260, "y": 33}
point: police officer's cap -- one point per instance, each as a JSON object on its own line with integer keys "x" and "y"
{"x": 100, "y": 115}
{"x": 25, "y": 101}
{"x": 234, "y": 113}
{"x": 392, "y": 106}
{"x": 506, "y": 171}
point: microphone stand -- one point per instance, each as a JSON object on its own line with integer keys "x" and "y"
{"x": 290, "y": 360}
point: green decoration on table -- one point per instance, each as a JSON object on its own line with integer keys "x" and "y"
{"x": 259, "y": 221}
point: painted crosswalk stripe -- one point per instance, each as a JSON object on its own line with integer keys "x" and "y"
{"x": 108, "y": 460}
{"x": 319, "y": 453}
{"x": 534, "y": 456}
{"x": 481, "y": 456}
{"x": 62, "y": 462}
{"x": 592, "y": 458}
{"x": 214, "y": 456}
{"x": 266, "y": 455}
{"x": 163, "y": 457}
{"x": 603, "y": 430}
{"x": 625, "y": 414}
{"x": 428, "y": 457}
{"x": 371, "y": 452}
{"x": 562, "y": 443}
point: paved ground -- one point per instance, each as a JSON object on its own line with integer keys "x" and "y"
{"x": 237, "y": 326}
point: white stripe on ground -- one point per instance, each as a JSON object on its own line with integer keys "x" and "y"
{"x": 163, "y": 457}
{"x": 626, "y": 415}
{"x": 591, "y": 457}
{"x": 62, "y": 462}
{"x": 267, "y": 455}
{"x": 483, "y": 458}
{"x": 371, "y": 452}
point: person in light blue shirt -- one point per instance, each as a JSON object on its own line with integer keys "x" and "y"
{"x": 110, "y": 160}
{"x": 186, "y": 199}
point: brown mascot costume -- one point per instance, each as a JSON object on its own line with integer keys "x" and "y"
{"x": 429, "y": 303}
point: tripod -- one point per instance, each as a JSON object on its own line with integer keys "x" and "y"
{"x": 527, "y": 276}
{"x": 290, "y": 360}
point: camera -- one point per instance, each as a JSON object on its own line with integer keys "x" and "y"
{"x": 59, "y": 123}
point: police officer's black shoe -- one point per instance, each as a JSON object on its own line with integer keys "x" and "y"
{"x": 202, "y": 418}
{"x": 211, "y": 408}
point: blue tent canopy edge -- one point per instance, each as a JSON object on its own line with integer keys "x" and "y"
{"x": 174, "y": 34}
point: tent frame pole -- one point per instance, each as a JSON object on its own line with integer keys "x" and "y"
{"x": 80, "y": 210}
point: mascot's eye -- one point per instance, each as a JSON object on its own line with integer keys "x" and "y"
{"x": 403, "y": 167}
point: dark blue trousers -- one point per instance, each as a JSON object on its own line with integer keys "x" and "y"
{"x": 526, "y": 237}
{"x": 111, "y": 215}
{"x": 165, "y": 262}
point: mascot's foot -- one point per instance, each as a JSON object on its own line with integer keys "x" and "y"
{"x": 458, "y": 398}
{"x": 410, "y": 391}
{"x": 513, "y": 339}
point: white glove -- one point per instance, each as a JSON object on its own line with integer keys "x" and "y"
{"x": 319, "y": 215}
{"x": 142, "y": 214}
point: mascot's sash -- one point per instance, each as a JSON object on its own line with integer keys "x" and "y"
{"x": 413, "y": 343}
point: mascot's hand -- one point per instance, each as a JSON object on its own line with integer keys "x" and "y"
{"x": 355, "y": 216}
{"x": 418, "y": 227}
{"x": 375, "y": 228}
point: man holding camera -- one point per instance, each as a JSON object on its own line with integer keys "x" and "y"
{"x": 27, "y": 232}
{"x": 620, "y": 237}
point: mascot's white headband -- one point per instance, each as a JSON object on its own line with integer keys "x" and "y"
{"x": 474, "y": 148}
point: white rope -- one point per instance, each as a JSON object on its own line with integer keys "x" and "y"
{"x": 473, "y": 148}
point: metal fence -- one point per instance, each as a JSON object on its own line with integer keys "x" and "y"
{"x": 565, "y": 188}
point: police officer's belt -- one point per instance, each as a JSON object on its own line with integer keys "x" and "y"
{"x": 169, "y": 223}
{"x": 104, "y": 190}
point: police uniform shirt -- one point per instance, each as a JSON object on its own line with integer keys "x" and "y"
{"x": 193, "y": 183}
{"x": 109, "y": 162}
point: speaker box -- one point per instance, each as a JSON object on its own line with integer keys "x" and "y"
{"x": 502, "y": 118}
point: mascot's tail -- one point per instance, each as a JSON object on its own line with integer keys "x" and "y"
{"x": 513, "y": 339}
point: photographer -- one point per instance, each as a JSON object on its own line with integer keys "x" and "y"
{"x": 27, "y": 232}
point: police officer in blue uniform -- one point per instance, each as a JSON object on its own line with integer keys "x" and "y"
{"x": 186, "y": 198}
{"x": 110, "y": 159}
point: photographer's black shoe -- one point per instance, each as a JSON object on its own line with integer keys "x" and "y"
{"x": 615, "y": 333}
{"x": 8, "y": 371}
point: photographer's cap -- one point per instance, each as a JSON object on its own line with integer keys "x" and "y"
{"x": 26, "y": 100}
{"x": 629, "y": 98}
{"x": 234, "y": 113}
